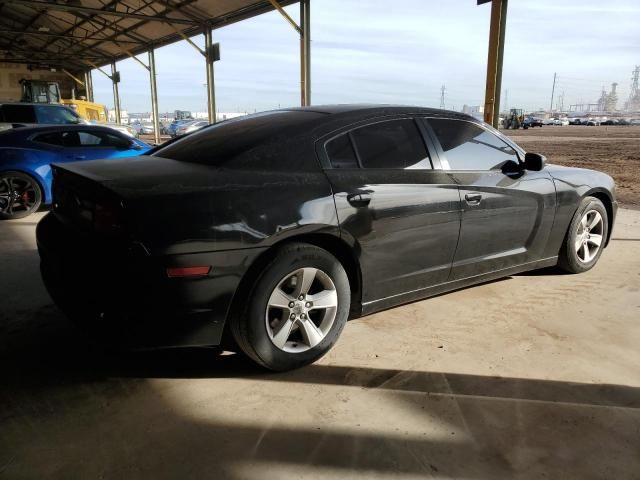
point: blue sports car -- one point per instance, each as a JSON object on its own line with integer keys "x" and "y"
{"x": 26, "y": 155}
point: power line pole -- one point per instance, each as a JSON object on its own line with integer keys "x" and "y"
{"x": 442, "y": 92}
{"x": 553, "y": 89}
{"x": 506, "y": 100}
{"x": 561, "y": 101}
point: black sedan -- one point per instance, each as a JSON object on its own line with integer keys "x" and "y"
{"x": 531, "y": 122}
{"x": 267, "y": 232}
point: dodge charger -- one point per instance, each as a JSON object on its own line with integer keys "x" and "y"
{"x": 266, "y": 233}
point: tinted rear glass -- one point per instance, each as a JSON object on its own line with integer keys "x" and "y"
{"x": 341, "y": 153}
{"x": 52, "y": 138}
{"x": 18, "y": 113}
{"x": 223, "y": 141}
{"x": 394, "y": 144}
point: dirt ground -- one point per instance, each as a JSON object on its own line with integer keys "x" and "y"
{"x": 529, "y": 377}
{"x": 611, "y": 149}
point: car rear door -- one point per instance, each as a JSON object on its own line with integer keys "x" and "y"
{"x": 507, "y": 211}
{"x": 401, "y": 215}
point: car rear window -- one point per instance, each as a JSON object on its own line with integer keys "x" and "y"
{"x": 218, "y": 143}
{"x": 18, "y": 114}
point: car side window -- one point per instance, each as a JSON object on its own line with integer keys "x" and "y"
{"x": 341, "y": 153}
{"x": 100, "y": 139}
{"x": 468, "y": 146}
{"x": 394, "y": 144}
{"x": 51, "y": 138}
{"x": 18, "y": 113}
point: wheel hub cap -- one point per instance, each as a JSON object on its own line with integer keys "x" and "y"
{"x": 589, "y": 236}
{"x": 301, "y": 310}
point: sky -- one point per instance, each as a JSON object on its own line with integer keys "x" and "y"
{"x": 401, "y": 52}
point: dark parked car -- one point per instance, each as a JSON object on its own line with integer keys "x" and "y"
{"x": 38, "y": 113}
{"x": 532, "y": 122}
{"x": 273, "y": 229}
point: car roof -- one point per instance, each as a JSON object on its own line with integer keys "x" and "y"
{"x": 59, "y": 105}
{"x": 39, "y": 128}
{"x": 373, "y": 109}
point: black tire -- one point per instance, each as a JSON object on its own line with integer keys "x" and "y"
{"x": 570, "y": 260}
{"x": 20, "y": 195}
{"x": 249, "y": 329}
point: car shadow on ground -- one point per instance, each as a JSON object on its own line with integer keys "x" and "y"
{"x": 71, "y": 409}
{"x": 64, "y": 400}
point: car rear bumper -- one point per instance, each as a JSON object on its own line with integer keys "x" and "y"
{"x": 123, "y": 295}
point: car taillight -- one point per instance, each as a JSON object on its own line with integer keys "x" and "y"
{"x": 188, "y": 272}
{"x": 107, "y": 219}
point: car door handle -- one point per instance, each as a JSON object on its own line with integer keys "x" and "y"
{"x": 473, "y": 198}
{"x": 359, "y": 199}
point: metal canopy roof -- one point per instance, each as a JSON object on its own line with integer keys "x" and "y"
{"x": 75, "y": 34}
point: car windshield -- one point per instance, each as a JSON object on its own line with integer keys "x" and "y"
{"x": 55, "y": 114}
{"x": 215, "y": 144}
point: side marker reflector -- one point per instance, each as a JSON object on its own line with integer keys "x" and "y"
{"x": 181, "y": 272}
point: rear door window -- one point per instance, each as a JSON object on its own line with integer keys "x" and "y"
{"x": 393, "y": 144}
{"x": 341, "y": 153}
{"x": 50, "y": 138}
{"x": 468, "y": 146}
{"x": 18, "y": 113}
{"x": 101, "y": 139}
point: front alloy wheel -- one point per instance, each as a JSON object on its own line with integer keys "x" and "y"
{"x": 585, "y": 238}
{"x": 589, "y": 236}
{"x": 296, "y": 309}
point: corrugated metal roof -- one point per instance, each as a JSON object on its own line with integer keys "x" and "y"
{"x": 75, "y": 33}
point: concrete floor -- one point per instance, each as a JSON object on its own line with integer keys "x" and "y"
{"x": 533, "y": 376}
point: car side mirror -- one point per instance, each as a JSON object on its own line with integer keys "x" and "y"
{"x": 534, "y": 162}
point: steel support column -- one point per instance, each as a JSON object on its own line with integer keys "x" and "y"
{"x": 116, "y": 94}
{"x": 305, "y": 51}
{"x": 87, "y": 86}
{"x": 154, "y": 96}
{"x": 211, "y": 89}
{"x": 494, "y": 61}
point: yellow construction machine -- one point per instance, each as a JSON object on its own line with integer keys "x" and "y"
{"x": 44, "y": 91}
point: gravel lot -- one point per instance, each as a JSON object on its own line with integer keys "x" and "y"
{"x": 611, "y": 149}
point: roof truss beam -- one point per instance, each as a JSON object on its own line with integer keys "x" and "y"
{"x": 43, "y": 5}
{"x": 58, "y": 35}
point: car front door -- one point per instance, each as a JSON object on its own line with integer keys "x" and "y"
{"x": 401, "y": 215}
{"x": 507, "y": 213}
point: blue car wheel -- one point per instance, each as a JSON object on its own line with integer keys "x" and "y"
{"x": 20, "y": 195}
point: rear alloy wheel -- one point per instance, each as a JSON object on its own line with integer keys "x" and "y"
{"x": 296, "y": 319}
{"x": 586, "y": 237}
{"x": 20, "y": 195}
{"x": 296, "y": 310}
